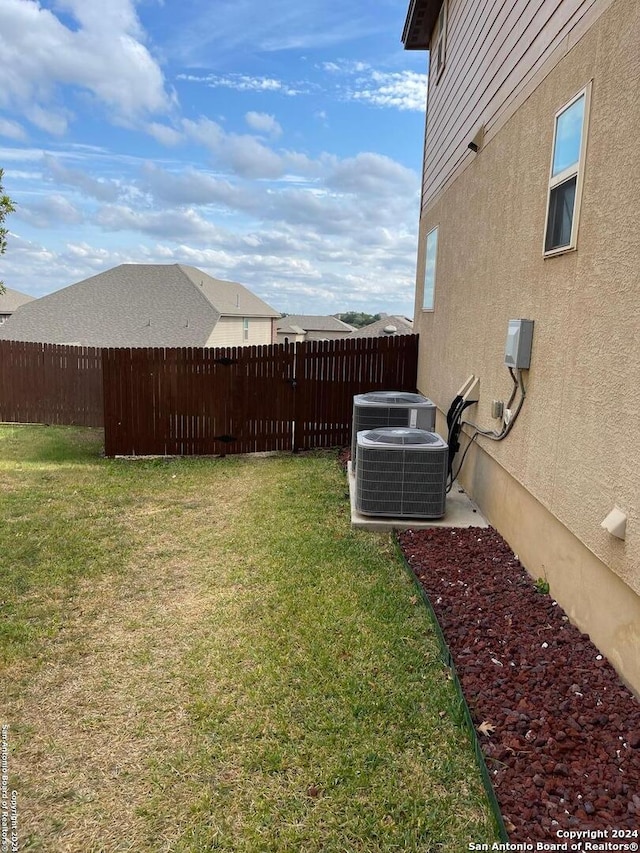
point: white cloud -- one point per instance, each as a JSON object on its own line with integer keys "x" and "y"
{"x": 99, "y": 189}
{"x": 196, "y": 187}
{"x": 54, "y": 120}
{"x": 87, "y": 253}
{"x": 264, "y": 123}
{"x": 50, "y": 212}
{"x": 404, "y": 90}
{"x": 354, "y": 81}
{"x": 12, "y": 130}
{"x": 245, "y": 83}
{"x": 164, "y": 134}
{"x": 102, "y": 55}
{"x": 345, "y": 66}
{"x": 246, "y": 155}
{"x": 373, "y": 174}
{"x": 185, "y": 224}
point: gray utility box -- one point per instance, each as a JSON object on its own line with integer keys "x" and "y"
{"x": 517, "y": 352}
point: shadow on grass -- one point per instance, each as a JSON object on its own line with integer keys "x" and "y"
{"x": 34, "y": 444}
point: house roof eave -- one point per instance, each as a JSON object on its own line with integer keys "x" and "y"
{"x": 421, "y": 19}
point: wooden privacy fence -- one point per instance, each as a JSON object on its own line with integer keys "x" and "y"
{"x": 246, "y": 399}
{"x": 50, "y": 383}
{"x": 204, "y": 401}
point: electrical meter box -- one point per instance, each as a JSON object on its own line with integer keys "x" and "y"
{"x": 517, "y": 352}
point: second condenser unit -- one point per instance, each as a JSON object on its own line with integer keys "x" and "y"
{"x": 390, "y": 409}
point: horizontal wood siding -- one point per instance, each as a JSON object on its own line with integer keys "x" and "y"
{"x": 494, "y": 50}
{"x": 50, "y": 383}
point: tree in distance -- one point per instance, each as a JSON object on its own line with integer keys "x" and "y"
{"x": 6, "y": 207}
{"x": 358, "y": 318}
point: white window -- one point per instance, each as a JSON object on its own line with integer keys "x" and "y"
{"x": 245, "y": 329}
{"x": 565, "y": 179}
{"x": 438, "y": 45}
{"x": 430, "y": 269}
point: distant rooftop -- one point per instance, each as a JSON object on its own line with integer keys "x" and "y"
{"x": 12, "y": 299}
{"x": 387, "y": 325}
{"x": 314, "y": 323}
{"x": 136, "y": 305}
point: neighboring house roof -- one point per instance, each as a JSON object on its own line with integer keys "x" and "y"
{"x": 315, "y": 323}
{"x": 289, "y": 329}
{"x": 136, "y": 305}
{"x": 385, "y": 326}
{"x": 12, "y": 299}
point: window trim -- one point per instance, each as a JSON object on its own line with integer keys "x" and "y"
{"x": 575, "y": 170}
{"x": 437, "y": 40}
{"x": 426, "y": 267}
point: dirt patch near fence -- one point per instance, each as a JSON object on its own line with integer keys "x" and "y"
{"x": 561, "y": 732}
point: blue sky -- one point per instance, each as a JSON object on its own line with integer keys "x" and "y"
{"x": 273, "y": 143}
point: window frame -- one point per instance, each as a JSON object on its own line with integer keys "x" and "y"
{"x": 439, "y": 40}
{"x": 574, "y": 170}
{"x": 245, "y": 328}
{"x": 431, "y": 231}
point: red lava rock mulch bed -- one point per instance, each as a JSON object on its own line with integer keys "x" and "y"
{"x": 562, "y": 740}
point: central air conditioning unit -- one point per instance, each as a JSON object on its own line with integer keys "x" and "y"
{"x": 390, "y": 409}
{"x": 401, "y": 472}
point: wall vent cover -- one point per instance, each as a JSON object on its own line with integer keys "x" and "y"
{"x": 401, "y": 472}
{"x": 390, "y": 409}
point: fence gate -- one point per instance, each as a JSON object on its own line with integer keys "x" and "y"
{"x": 193, "y": 401}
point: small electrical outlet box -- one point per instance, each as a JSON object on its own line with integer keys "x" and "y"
{"x": 517, "y": 351}
{"x": 497, "y": 408}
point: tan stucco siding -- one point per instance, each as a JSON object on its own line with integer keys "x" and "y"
{"x": 494, "y": 59}
{"x": 575, "y": 447}
{"x": 229, "y": 332}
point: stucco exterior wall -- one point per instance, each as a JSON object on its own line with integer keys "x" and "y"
{"x": 574, "y": 448}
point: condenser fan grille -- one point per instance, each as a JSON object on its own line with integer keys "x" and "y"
{"x": 392, "y": 398}
{"x": 403, "y": 436}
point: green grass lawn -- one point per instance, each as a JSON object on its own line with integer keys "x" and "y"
{"x": 200, "y": 654}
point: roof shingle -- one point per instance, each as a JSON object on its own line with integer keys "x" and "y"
{"x": 135, "y": 305}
